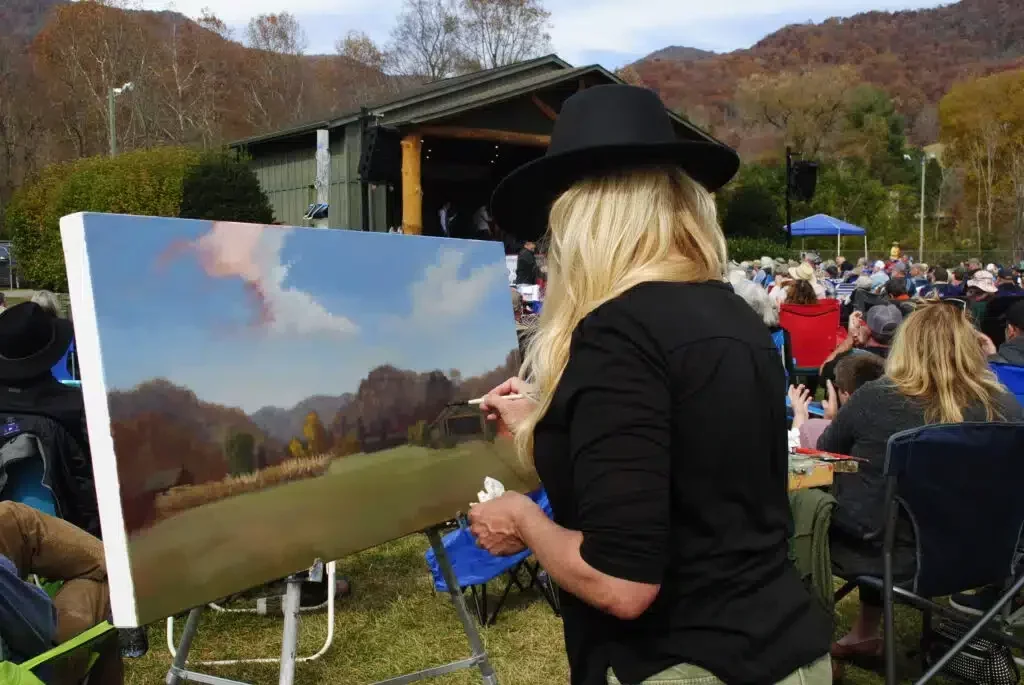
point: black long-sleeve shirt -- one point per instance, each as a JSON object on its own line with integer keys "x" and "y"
{"x": 666, "y": 446}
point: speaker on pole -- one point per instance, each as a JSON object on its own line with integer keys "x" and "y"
{"x": 803, "y": 179}
{"x": 381, "y": 158}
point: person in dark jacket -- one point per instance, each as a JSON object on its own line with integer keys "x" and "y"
{"x": 31, "y": 342}
{"x": 952, "y": 383}
{"x": 670, "y": 542}
{"x": 1012, "y": 351}
{"x": 527, "y": 270}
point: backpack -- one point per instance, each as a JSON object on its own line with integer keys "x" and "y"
{"x": 22, "y": 674}
{"x": 809, "y": 544}
{"x": 67, "y": 465}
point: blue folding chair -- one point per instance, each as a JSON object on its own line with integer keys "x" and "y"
{"x": 65, "y": 370}
{"x": 959, "y": 487}
{"x": 1012, "y": 377}
{"x": 475, "y": 567}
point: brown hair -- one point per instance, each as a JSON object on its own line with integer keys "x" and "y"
{"x": 858, "y": 369}
{"x": 801, "y": 292}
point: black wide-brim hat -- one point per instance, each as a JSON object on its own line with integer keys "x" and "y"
{"x": 601, "y": 130}
{"x": 32, "y": 341}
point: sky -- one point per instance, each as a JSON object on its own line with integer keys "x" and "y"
{"x": 252, "y": 316}
{"x": 606, "y": 32}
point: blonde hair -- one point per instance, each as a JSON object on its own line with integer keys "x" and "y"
{"x": 607, "y": 235}
{"x": 937, "y": 359}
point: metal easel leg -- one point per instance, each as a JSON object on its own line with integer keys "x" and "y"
{"x": 290, "y": 638}
{"x": 181, "y": 656}
{"x": 458, "y": 599}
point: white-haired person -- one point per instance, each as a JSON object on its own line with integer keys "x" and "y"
{"x": 48, "y": 302}
{"x": 768, "y": 310}
{"x": 669, "y": 542}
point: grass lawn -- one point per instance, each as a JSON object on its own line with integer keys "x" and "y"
{"x": 394, "y": 623}
{"x": 239, "y": 542}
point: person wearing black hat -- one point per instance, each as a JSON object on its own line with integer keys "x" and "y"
{"x": 670, "y": 533}
{"x": 1007, "y": 284}
{"x": 1012, "y": 351}
{"x": 32, "y": 341}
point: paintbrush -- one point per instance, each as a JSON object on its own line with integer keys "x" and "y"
{"x": 480, "y": 400}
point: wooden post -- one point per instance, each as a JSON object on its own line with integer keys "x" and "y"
{"x": 412, "y": 189}
{"x": 488, "y": 134}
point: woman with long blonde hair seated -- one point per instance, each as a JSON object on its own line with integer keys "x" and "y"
{"x": 936, "y": 372}
{"x": 653, "y": 409}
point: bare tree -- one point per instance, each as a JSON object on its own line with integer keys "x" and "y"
{"x": 426, "y": 42}
{"x": 274, "y": 81}
{"x": 21, "y": 121}
{"x": 500, "y": 32}
{"x": 368, "y": 66}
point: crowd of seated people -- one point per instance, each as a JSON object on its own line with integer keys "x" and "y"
{"x": 914, "y": 356}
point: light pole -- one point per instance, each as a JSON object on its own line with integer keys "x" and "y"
{"x": 111, "y": 94}
{"x": 924, "y": 173}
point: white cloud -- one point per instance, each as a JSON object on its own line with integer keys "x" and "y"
{"x": 252, "y": 253}
{"x": 441, "y": 296}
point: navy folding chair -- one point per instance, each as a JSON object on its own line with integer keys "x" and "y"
{"x": 959, "y": 485}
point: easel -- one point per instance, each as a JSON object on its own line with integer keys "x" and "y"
{"x": 178, "y": 672}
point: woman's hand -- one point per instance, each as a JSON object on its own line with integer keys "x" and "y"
{"x": 511, "y": 412}
{"x": 494, "y": 523}
{"x": 987, "y": 346}
{"x": 831, "y": 405}
{"x": 800, "y": 398}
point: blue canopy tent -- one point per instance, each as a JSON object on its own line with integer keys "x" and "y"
{"x": 825, "y": 225}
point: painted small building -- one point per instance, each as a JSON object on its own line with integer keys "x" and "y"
{"x": 446, "y": 144}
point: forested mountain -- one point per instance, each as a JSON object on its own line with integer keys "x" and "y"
{"x": 915, "y": 56}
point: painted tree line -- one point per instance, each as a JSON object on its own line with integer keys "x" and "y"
{"x": 195, "y": 83}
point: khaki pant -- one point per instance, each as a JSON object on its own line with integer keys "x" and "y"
{"x": 816, "y": 673}
{"x": 56, "y": 550}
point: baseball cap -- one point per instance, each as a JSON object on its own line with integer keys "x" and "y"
{"x": 883, "y": 320}
{"x": 1006, "y": 274}
{"x": 1015, "y": 315}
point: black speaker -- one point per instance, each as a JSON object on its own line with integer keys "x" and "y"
{"x": 381, "y": 158}
{"x": 803, "y": 180}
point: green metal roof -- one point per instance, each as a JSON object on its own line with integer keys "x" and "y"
{"x": 452, "y": 96}
{"x": 427, "y": 91}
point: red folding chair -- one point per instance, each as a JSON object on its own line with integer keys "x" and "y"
{"x": 814, "y": 332}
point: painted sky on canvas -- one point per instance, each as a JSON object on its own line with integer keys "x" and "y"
{"x": 250, "y": 316}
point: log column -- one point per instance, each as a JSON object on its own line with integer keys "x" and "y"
{"x": 412, "y": 189}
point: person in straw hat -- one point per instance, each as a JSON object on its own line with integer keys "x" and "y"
{"x": 669, "y": 541}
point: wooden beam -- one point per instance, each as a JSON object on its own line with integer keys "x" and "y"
{"x": 412, "y": 188}
{"x": 543, "y": 107}
{"x": 492, "y": 135}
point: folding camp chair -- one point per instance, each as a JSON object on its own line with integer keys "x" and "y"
{"x": 475, "y": 567}
{"x": 814, "y": 332}
{"x": 959, "y": 486}
{"x": 25, "y": 672}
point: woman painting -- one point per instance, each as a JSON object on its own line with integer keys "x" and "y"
{"x": 952, "y": 383}
{"x": 670, "y": 533}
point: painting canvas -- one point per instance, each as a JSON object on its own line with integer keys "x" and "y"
{"x": 259, "y": 397}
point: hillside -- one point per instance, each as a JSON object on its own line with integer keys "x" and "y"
{"x": 914, "y": 55}
{"x": 285, "y": 424}
{"x": 22, "y": 19}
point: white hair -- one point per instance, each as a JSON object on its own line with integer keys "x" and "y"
{"x": 48, "y": 302}
{"x": 758, "y": 299}
{"x": 863, "y": 283}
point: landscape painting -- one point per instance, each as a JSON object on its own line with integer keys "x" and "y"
{"x": 259, "y": 397}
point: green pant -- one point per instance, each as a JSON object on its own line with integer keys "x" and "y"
{"x": 816, "y": 673}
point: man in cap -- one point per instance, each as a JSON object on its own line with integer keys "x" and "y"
{"x": 871, "y": 333}
{"x": 1007, "y": 284}
{"x": 1012, "y": 351}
